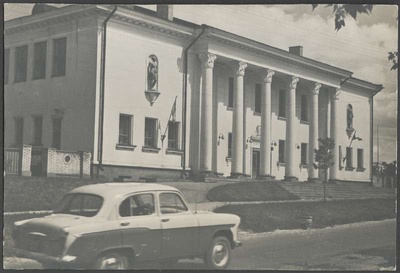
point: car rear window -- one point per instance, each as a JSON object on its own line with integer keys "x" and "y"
{"x": 82, "y": 204}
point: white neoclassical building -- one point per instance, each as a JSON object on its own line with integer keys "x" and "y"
{"x": 150, "y": 95}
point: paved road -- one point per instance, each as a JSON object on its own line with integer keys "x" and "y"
{"x": 363, "y": 246}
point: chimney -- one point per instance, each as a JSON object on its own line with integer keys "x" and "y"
{"x": 165, "y": 12}
{"x": 297, "y": 50}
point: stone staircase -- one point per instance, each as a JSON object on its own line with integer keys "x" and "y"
{"x": 315, "y": 191}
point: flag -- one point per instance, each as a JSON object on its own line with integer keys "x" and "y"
{"x": 173, "y": 111}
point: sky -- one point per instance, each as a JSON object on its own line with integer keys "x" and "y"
{"x": 361, "y": 46}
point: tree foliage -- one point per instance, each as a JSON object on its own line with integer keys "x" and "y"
{"x": 324, "y": 154}
{"x": 342, "y": 10}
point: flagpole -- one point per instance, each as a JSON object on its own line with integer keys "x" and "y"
{"x": 166, "y": 127}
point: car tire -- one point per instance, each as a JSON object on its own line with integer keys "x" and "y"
{"x": 219, "y": 254}
{"x": 111, "y": 261}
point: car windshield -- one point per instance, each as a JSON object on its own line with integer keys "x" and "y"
{"x": 82, "y": 204}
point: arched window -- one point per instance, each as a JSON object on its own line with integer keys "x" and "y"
{"x": 152, "y": 73}
{"x": 350, "y": 116}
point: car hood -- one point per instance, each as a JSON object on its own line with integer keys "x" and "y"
{"x": 211, "y": 218}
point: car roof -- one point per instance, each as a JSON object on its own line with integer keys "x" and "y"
{"x": 113, "y": 189}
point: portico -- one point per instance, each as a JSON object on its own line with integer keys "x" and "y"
{"x": 297, "y": 134}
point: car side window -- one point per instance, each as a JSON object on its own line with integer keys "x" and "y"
{"x": 137, "y": 205}
{"x": 171, "y": 203}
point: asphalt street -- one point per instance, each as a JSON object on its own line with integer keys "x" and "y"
{"x": 361, "y": 246}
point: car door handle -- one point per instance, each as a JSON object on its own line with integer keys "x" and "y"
{"x": 124, "y": 224}
{"x": 165, "y": 220}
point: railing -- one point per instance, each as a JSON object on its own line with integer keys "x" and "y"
{"x": 12, "y": 162}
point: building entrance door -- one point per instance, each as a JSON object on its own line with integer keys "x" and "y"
{"x": 256, "y": 163}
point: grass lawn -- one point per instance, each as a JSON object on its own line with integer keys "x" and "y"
{"x": 37, "y": 193}
{"x": 290, "y": 215}
{"x": 250, "y": 191}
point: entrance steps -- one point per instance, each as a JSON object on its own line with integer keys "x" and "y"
{"x": 309, "y": 191}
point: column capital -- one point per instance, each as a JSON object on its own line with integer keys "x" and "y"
{"x": 240, "y": 68}
{"x": 207, "y": 59}
{"x": 268, "y": 75}
{"x": 336, "y": 93}
{"x": 316, "y": 88}
{"x": 293, "y": 82}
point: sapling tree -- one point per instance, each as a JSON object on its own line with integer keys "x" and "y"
{"x": 324, "y": 158}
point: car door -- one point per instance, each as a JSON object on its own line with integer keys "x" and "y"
{"x": 140, "y": 225}
{"x": 179, "y": 226}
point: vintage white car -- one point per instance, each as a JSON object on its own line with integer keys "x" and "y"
{"x": 115, "y": 225}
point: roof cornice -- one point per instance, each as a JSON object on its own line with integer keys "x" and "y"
{"x": 128, "y": 16}
{"x": 48, "y": 18}
{"x": 354, "y": 82}
{"x": 123, "y": 15}
{"x": 263, "y": 49}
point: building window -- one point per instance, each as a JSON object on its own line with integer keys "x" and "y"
{"x": 173, "y": 135}
{"x": 152, "y": 73}
{"x": 59, "y": 56}
{"x": 21, "y": 61}
{"x": 282, "y": 103}
{"x": 56, "y": 143}
{"x": 340, "y": 157}
{"x": 350, "y": 116}
{"x": 229, "y": 145}
{"x": 230, "y": 92}
{"x": 349, "y": 157}
{"x": 37, "y": 130}
{"x": 304, "y": 154}
{"x": 19, "y": 131}
{"x": 360, "y": 159}
{"x": 281, "y": 151}
{"x": 303, "y": 109}
{"x": 6, "y": 65}
{"x": 39, "y": 62}
{"x": 257, "y": 96}
{"x": 125, "y": 130}
{"x": 150, "y": 133}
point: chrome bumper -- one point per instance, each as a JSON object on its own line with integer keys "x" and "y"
{"x": 43, "y": 258}
{"x": 237, "y": 243}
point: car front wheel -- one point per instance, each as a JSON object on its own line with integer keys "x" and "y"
{"x": 219, "y": 253}
{"x": 111, "y": 260}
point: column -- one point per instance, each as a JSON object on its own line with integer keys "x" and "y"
{"x": 207, "y": 60}
{"x": 290, "y": 130}
{"x": 333, "y": 171}
{"x": 313, "y": 133}
{"x": 238, "y": 128}
{"x": 265, "y": 145}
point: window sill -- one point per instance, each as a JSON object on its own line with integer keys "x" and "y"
{"x": 125, "y": 147}
{"x": 304, "y": 122}
{"x": 258, "y": 114}
{"x": 360, "y": 169}
{"x": 349, "y": 168}
{"x": 153, "y": 150}
{"x": 34, "y": 79}
{"x": 228, "y": 159}
{"x": 173, "y": 152}
{"x": 55, "y": 76}
{"x": 18, "y": 81}
{"x": 229, "y": 108}
{"x": 281, "y": 118}
{"x": 281, "y": 164}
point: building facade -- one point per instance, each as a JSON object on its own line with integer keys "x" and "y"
{"x": 149, "y": 95}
